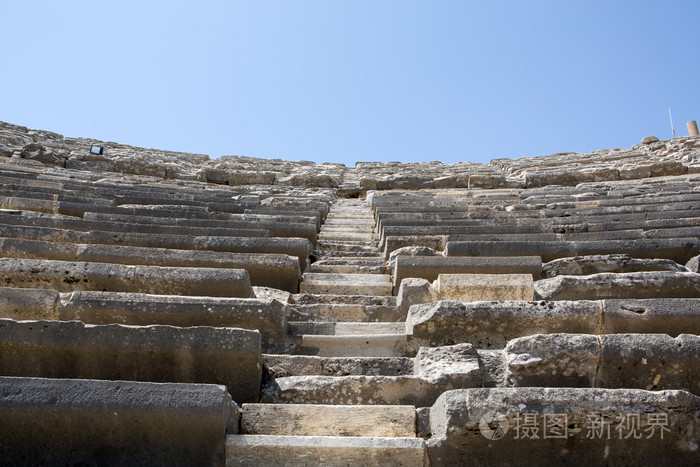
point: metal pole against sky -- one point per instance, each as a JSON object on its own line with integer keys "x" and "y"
{"x": 671, "y": 118}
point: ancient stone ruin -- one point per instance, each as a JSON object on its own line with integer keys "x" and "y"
{"x": 160, "y": 308}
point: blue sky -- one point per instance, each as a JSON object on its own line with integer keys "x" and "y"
{"x": 347, "y": 81}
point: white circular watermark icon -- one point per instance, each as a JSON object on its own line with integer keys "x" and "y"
{"x": 493, "y": 425}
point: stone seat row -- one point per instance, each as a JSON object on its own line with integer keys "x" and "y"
{"x": 524, "y": 259}
{"x": 99, "y": 191}
{"x": 491, "y": 324}
{"x": 298, "y": 247}
{"x": 232, "y": 357}
{"x": 278, "y": 226}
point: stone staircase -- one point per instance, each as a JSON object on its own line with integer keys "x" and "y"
{"x": 346, "y": 355}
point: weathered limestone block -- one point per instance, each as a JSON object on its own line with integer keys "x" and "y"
{"x": 71, "y": 349}
{"x": 411, "y": 251}
{"x": 678, "y": 249}
{"x": 264, "y": 315}
{"x": 493, "y": 324}
{"x": 250, "y": 177}
{"x": 464, "y": 424}
{"x": 559, "y": 177}
{"x": 480, "y": 287}
{"x": 67, "y": 422}
{"x": 453, "y": 365}
{"x": 46, "y": 155}
{"x": 553, "y": 360}
{"x": 427, "y": 267}
{"x": 32, "y": 304}
{"x": 413, "y": 291}
{"x": 693, "y": 265}
{"x": 329, "y": 420}
{"x": 586, "y": 265}
{"x": 356, "y": 345}
{"x": 212, "y": 175}
{"x": 650, "y": 361}
{"x": 672, "y": 316}
{"x": 486, "y": 181}
{"x": 66, "y": 276}
{"x": 278, "y": 366}
{"x": 657, "y": 284}
{"x": 355, "y": 284}
{"x": 643, "y": 361}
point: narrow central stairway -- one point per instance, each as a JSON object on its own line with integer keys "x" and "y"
{"x": 343, "y": 397}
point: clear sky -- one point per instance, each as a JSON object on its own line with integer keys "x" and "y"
{"x": 347, "y": 81}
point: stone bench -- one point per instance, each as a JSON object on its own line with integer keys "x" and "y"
{"x": 429, "y": 267}
{"x": 30, "y": 219}
{"x": 72, "y": 349}
{"x": 679, "y": 250}
{"x": 647, "y": 284}
{"x": 619, "y": 263}
{"x": 265, "y": 269}
{"x": 69, "y": 276}
{"x": 299, "y": 247}
{"x": 288, "y": 228}
{"x": 68, "y": 421}
{"x": 493, "y": 324}
{"x": 489, "y": 324}
{"x": 464, "y": 424}
{"x": 268, "y": 316}
{"x": 644, "y": 361}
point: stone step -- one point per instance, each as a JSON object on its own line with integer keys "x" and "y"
{"x": 283, "y": 365}
{"x": 355, "y": 345}
{"x": 375, "y": 267}
{"x": 385, "y": 421}
{"x": 332, "y": 254}
{"x": 345, "y": 312}
{"x": 344, "y": 328}
{"x": 346, "y": 284}
{"x": 346, "y": 228}
{"x": 346, "y": 236}
{"x": 348, "y": 246}
{"x": 351, "y": 215}
{"x": 332, "y": 451}
{"x": 329, "y": 299}
{"x": 342, "y": 221}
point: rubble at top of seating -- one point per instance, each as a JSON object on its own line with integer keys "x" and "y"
{"x": 89, "y": 157}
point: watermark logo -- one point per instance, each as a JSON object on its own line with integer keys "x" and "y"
{"x": 493, "y": 425}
